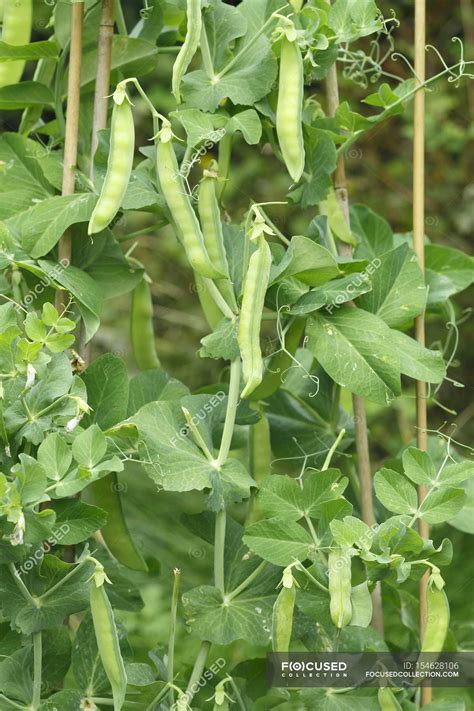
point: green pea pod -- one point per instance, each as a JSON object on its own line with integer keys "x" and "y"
{"x": 289, "y": 114}
{"x": 282, "y": 621}
{"x": 248, "y": 336}
{"x": 119, "y": 167}
{"x": 437, "y": 622}
{"x": 17, "y": 23}
{"x": 211, "y": 311}
{"x": 105, "y": 493}
{"x": 387, "y": 700}
{"x": 108, "y": 643}
{"x": 211, "y": 224}
{"x": 340, "y": 575}
{"x": 141, "y": 327}
{"x": 184, "y": 217}
{"x": 189, "y": 47}
{"x": 280, "y": 362}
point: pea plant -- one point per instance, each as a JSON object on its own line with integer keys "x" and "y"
{"x": 268, "y": 464}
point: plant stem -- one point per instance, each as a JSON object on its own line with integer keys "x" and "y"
{"x": 61, "y": 582}
{"x": 21, "y": 585}
{"x": 72, "y": 129}
{"x": 198, "y": 669}
{"x": 248, "y": 580}
{"x": 218, "y": 299}
{"x": 361, "y": 432}
{"x": 37, "y": 670}
{"x": 206, "y": 54}
{"x": 219, "y": 550}
{"x": 11, "y": 703}
{"x": 172, "y": 635}
{"x": 232, "y": 402}
{"x": 119, "y": 18}
{"x": 330, "y": 454}
{"x": 224, "y": 156}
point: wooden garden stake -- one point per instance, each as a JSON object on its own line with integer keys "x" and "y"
{"x": 72, "y": 128}
{"x": 418, "y": 245}
{"x": 102, "y": 80}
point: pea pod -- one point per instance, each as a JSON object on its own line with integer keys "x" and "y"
{"x": 209, "y": 215}
{"x": 280, "y": 362}
{"x": 248, "y": 336}
{"x": 437, "y": 622}
{"x": 105, "y": 493}
{"x": 387, "y": 700}
{"x": 340, "y": 575}
{"x": 211, "y": 311}
{"x": 189, "y": 47}
{"x": 283, "y": 609}
{"x": 119, "y": 167}
{"x": 289, "y": 114}
{"x": 141, "y": 327}
{"x": 184, "y": 217}
{"x": 17, "y": 23}
{"x": 108, "y": 642}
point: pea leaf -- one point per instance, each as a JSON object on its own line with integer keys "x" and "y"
{"x": 373, "y": 232}
{"x": 451, "y": 264}
{"x": 280, "y": 541}
{"x": 87, "y": 667}
{"x": 24, "y": 95}
{"x": 152, "y": 385}
{"x": 106, "y": 381}
{"x": 55, "y": 455}
{"x": 354, "y": 347}
{"x": 89, "y": 447}
{"x": 416, "y": 361}
{"x": 77, "y": 520}
{"x": 439, "y": 506}
{"x": 398, "y": 289}
{"x": 333, "y": 293}
{"x": 395, "y": 492}
{"x": 33, "y": 50}
{"x": 306, "y": 260}
{"x": 418, "y": 466}
{"x": 222, "y": 343}
{"x": 320, "y": 164}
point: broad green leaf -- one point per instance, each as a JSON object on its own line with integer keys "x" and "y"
{"x": 56, "y": 657}
{"x": 40, "y": 228}
{"x": 24, "y": 95}
{"x": 66, "y": 700}
{"x": 351, "y": 531}
{"x": 354, "y": 348}
{"x": 249, "y": 125}
{"x": 223, "y": 24}
{"x": 398, "y": 289}
{"x": 89, "y": 447}
{"x": 199, "y": 126}
{"x": 106, "y": 381}
{"x": 320, "y": 164}
{"x": 451, "y": 263}
{"x": 55, "y": 456}
{"x": 439, "y": 506}
{"x": 307, "y": 261}
{"x": 279, "y": 541}
{"x": 30, "y": 480}
{"x": 222, "y": 343}
{"x": 33, "y": 50}
{"x": 464, "y": 520}
{"x": 333, "y": 294}
{"x": 415, "y": 360}
{"x": 361, "y": 605}
{"x": 373, "y": 232}
{"x": 126, "y": 51}
{"x": 152, "y": 385}
{"x": 15, "y": 675}
{"x": 351, "y": 20}
{"x": 77, "y": 520}
{"x": 395, "y": 492}
{"x": 418, "y": 466}
{"x": 456, "y": 473}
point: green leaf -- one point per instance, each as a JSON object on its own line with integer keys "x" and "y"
{"x": 464, "y": 519}
{"x": 40, "y": 228}
{"x": 456, "y": 473}
{"x": 351, "y": 531}
{"x": 15, "y": 675}
{"x": 395, "y": 492}
{"x": 398, "y": 289}
{"x": 306, "y": 260}
{"x": 280, "y": 541}
{"x": 354, "y": 347}
{"x": 416, "y": 361}
{"x": 333, "y": 294}
{"x": 33, "y": 50}
{"x": 222, "y": 343}
{"x": 351, "y": 20}
{"x": 418, "y": 466}
{"x": 373, "y": 232}
{"x": 336, "y": 219}
{"x": 127, "y": 54}
{"x": 87, "y": 667}
{"x": 452, "y": 264}
{"x": 55, "y": 456}
{"x": 89, "y": 447}
{"x": 249, "y": 125}
{"x": 440, "y": 506}
{"x": 66, "y": 700}
{"x": 77, "y": 520}
{"x": 30, "y": 480}
{"x": 152, "y": 385}
{"x": 106, "y": 381}
{"x": 24, "y": 95}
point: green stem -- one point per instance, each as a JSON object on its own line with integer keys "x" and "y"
{"x": 120, "y": 19}
{"x": 237, "y": 694}
{"x": 330, "y": 454}
{"x": 12, "y": 703}
{"x": 219, "y": 550}
{"x": 21, "y": 585}
{"x": 172, "y": 635}
{"x": 198, "y": 669}
{"x": 37, "y": 669}
{"x": 248, "y": 580}
{"x": 316, "y": 582}
{"x": 272, "y": 225}
{"x": 218, "y": 299}
{"x": 206, "y": 54}
{"x": 63, "y": 580}
{"x": 224, "y": 157}
{"x": 232, "y": 402}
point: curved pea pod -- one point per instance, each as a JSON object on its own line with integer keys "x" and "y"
{"x": 437, "y": 622}
{"x": 189, "y": 47}
{"x": 108, "y": 643}
{"x": 340, "y": 575}
{"x": 289, "y": 114}
{"x": 105, "y": 493}
{"x": 248, "y": 336}
{"x": 119, "y": 167}
{"x": 184, "y": 217}
{"x": 17, "y": 23}
{"x": 142, "y": 334}
{"x": 209, "y": 215}
{"x": 280, "y": 362}
{"x": 387, "y": 700}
